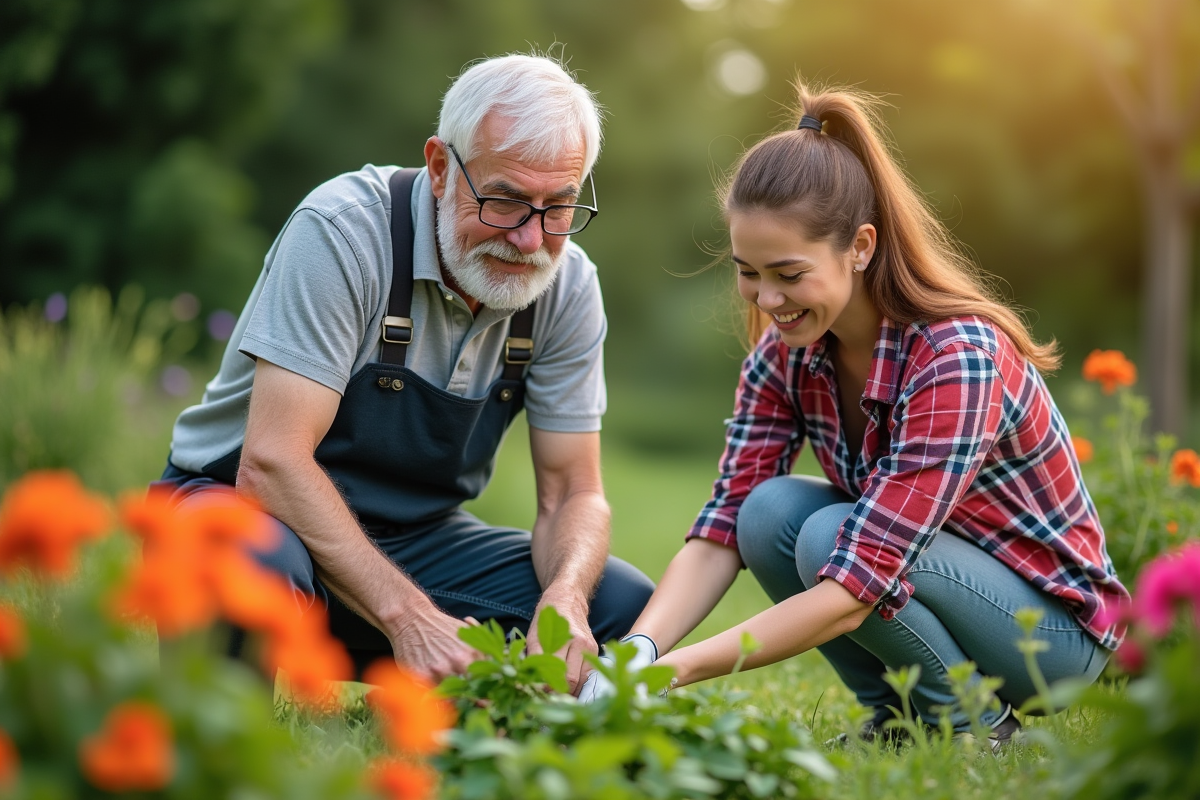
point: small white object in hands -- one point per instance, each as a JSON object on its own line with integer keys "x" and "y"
{"x": 597, "y": 686}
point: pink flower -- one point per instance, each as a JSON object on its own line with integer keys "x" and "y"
{"x": 1165, "y": 582}
{"x": 1131, "y": 657}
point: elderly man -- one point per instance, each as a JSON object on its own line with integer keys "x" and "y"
{"x": 401, "y": 321}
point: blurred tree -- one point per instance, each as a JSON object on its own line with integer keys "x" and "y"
{"x": 1147, "y": 57}
{"x": 121, "y": 123}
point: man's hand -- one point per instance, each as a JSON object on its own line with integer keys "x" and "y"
{"x": 428, "y": 644}
{"x": 581, "y": 642}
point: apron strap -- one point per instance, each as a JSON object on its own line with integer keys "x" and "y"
{"x": 397, "y": 326}
{"x": 518, "y": 347}
{"x": 397, "y": 323}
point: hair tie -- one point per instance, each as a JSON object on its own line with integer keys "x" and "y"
{"x": 807, "y": 121}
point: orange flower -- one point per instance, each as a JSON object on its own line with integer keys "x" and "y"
{"x": 415, "y": 715}
{"x": 151, "y": 515}
{"x": 1109, "y": 368}
{"x": 9, "y": 761}
{"x": 399, "y": 780}
{"x": 193, "y": 554}
{"x": 1172, "y": 527}
{"x": 1083, "y": 449}
{"x": 132, "y": 751}
{"x": 310, "y": 655}
{"x": 12, "y": 634}
{"x": 44, "y": 517}
{"x": 171, "y": 591}
{"x": 1185, "y": 466}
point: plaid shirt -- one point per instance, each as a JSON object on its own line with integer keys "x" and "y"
{"x": 961, "y": 434}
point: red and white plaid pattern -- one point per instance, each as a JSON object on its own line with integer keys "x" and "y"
{"x": 962, "y": 435}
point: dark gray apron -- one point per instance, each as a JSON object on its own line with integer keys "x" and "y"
{"x": 401, "y": 450}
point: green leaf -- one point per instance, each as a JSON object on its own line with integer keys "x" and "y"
{"x": 487, "y": 638}
{"x": 605, "y": 752}
{"x": 723, "y": 764}
{"x": 814, "y": 763}
{"x": 554, "y": 784}
{"x": 761, "y": 785}
{"x": 546, "y": 668}
{"x": 656, "y": 678}
{"x": 553, "y": 630}
{"x": 489, "y": 748}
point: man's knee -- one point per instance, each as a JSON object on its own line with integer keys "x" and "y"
{"x": 622, "y": 595}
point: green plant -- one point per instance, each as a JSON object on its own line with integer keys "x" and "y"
{"x": 1146, "y": 510}
{"x": 518, "y": 739}
{"x": 76, "y": 394}
{"x": 1146, "y": 746}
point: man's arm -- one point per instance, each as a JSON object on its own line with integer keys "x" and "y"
{"x": 570, "y": 535}
{"x": 289, "y": 416}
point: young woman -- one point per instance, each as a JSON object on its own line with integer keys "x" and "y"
{"x": 952, "y": 497}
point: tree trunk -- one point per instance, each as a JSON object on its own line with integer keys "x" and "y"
{"x": 1167, "y": 292}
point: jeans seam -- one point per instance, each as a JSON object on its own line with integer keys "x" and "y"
{"x": 519, "y": 612}
{"x": 993, "y": 603}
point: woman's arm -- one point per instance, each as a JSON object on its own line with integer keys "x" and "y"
{"x": 697, "y": 577}
{"x": 799, "y": 623}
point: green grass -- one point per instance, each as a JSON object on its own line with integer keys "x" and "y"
{"x": 654, "y": 499}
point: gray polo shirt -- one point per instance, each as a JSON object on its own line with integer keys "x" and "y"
{"x": 317, "y": 307}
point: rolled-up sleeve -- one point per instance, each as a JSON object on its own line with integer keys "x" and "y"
{"x": 944, "y": 423}
{"x": 762, "y": 440}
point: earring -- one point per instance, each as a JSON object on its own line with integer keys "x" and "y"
{"x": 859, "y": 267}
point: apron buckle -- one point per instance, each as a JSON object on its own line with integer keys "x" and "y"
{"x": 397, "y": 330}
{"x": 518, "y": 350}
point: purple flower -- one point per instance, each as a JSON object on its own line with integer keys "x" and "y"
{"x": 221, "y": 324}
{"x": 56, "y": 307}
{"x": 176, "y": 381}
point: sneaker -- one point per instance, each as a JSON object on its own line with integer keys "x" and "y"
{"x": 874, "y": 731}
{"x": 1002, "y": 732}
{"x": 1003, "y": 729}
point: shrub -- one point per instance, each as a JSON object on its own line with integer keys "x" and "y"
{"x": 1143, "y": 486}
{"x": 1147, "y": 745}
{"x": 76, "y": 392}
{"x": 86, "y": 710}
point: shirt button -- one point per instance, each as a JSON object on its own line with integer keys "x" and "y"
{"x": 449, "y": 297}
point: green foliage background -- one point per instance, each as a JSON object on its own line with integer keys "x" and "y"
{"x": 166, "y": 143}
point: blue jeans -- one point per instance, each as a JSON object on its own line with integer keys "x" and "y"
{"x": 468, "y": 568}
{"x": 963, "y": 605}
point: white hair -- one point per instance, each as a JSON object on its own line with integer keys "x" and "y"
{"x": 550, "y": 111}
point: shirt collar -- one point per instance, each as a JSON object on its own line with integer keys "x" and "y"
{"x": 885, "y": 363}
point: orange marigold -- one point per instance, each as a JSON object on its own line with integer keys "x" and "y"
{"x": 44, "y": 517}
{"x": 1109, "y": 368}
{"x": 169, "y": 590}
{"x": 415, "y": 715}
{"x": 399, "y": 780}
{"x": 10, "y": 762}
{"x": 192, "y": 554}
{"x": 12, "y": 633}
{"x": 1185, "y": 467}
{"x": 133, "y": 750}
{"x": 1084, "y": 450}
{"x": 310, "y": 655}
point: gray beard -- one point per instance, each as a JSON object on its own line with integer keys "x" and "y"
{"x": 499, "y": 290}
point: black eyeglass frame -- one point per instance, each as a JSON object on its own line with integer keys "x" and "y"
{"x": 593, "y": 211}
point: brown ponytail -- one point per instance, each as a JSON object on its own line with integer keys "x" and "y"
{"x": 834, "y": 180}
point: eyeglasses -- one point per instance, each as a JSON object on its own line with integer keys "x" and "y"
{"x": 507, "y": 213}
